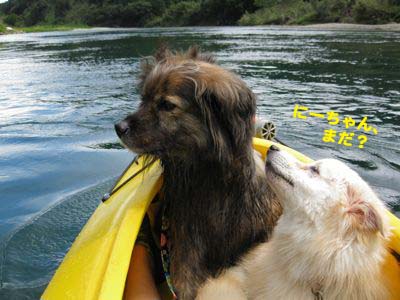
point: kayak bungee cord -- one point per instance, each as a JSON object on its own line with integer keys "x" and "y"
{"x": 115, "y": 189}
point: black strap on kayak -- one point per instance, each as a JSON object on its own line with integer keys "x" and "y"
{"x": 280, "y": 142}
{"x": 116, "y": 188}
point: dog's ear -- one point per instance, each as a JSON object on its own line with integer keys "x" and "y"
{"x": 148, "y": 63}
{"x": 195, "y": 54}
{"x": 162, "y": 52}
{"x": 229, "y": 109}
{"x": 363, "y": 215}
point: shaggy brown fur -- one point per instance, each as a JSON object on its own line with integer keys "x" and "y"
{"x": 197, "y": 118}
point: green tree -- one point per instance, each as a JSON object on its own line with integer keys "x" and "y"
{"x": 35, "y": 13}
{"x": 11, "y": 19}
{"x": 178, "y": 14}
{"x": 225, "y": 12}
{"x": 136, "y": 14}
{"x": 61, "y": 8}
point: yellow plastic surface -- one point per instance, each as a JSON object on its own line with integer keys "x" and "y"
{"x": 97, "y": 263}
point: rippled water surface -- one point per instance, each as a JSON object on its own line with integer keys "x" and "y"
{"x": 60, "y": 94}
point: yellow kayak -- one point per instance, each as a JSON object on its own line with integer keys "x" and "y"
{"x": 97, "y": 263}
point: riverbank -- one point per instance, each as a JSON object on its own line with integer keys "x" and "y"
{"x": 395, "y": 27}
{"x": 351, "y": 27}
{"x": 40, "y": 28}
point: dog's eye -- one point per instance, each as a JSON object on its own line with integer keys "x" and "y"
{"x": 165, "y": 105}
{"x": 314, "y": 169}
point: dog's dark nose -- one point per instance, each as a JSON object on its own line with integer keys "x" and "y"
{"x": 121, "y": 128}
{"x": 273, "y": 148}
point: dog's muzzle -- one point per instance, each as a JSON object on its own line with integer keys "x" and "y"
{"x": 121, "y": 128}
{"x": 272, "y": 167}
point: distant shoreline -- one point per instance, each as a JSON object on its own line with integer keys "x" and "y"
{"x": 42, "y": 28}
{"x": 395, "y": 27}
{"x": 350, "y": 26}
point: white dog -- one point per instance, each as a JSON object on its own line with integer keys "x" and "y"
{"x": 328, "y": 244}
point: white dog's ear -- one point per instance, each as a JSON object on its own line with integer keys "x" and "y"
{"x": 363, "y": 215}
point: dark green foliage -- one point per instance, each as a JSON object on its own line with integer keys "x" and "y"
{"x": 281, "y": 12}
{"x": 323, "y": 11}
{"x": 136, "y": 14}
{"x": 139, "y": 13}
{"x": 178, "y": 14}
{"x": 225, "y": 12}
{"x": 11, "y": 19}
{"x": 132, "y": 14}
{"x": 375, "y": 11}
{"x": 128, "y": 13}
{"x": 331, "y": 11}
{"x": 15, "y": 6}
{"x": 35, "y": 13}
{"x": 60, "y": 8}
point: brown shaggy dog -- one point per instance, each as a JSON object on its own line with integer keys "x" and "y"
{"x": 197, "y": 118}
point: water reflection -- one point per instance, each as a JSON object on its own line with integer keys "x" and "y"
{"x": 61, "y": 93}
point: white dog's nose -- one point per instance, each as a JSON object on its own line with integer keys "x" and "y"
{"x": 273, "y": 148}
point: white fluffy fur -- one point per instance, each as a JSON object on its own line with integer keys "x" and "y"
{"x": 330, "y": 239}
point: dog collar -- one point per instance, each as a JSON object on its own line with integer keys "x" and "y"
{"x": 165, "y": 245}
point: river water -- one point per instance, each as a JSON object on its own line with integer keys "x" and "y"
{"x": 61, "y": 92}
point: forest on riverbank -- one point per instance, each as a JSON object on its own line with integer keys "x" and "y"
{"x": 148, "y": 13}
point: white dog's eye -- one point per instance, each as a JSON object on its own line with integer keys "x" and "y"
{"x": 314, "y": 169}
